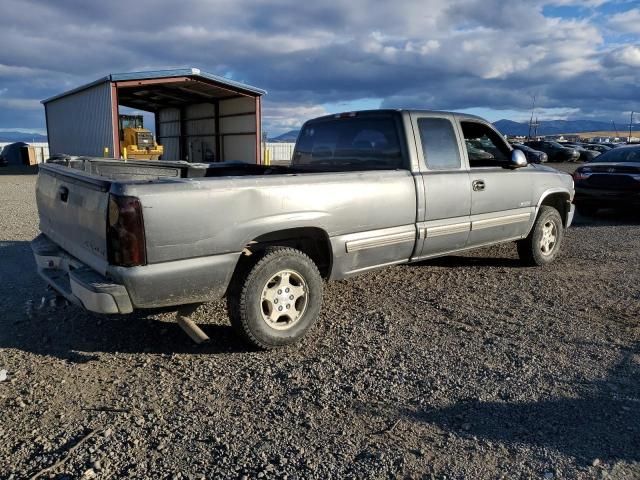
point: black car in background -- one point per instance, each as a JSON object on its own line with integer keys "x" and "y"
{"x": 555, "y": 151}
{"x": 611, "y": 181}
{"x": 586, "y": 154}
{"x": 533, "y": 156}
{"x": 597, "y": 147}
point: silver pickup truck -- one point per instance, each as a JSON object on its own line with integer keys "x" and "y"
{"x": 364, "y": 190}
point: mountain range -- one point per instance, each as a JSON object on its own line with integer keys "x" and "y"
{"x": 289, "y": 137}
{"x": 554, "y": 127}
{"x": 31, "y": 137}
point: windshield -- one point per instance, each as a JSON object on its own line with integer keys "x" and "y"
{"x": 349, "y": 143}
{"x": 623, "y": 154}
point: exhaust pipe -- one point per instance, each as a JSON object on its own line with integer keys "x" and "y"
{"x": 183, "y": 317}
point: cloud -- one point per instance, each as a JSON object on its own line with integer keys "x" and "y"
{"x": 449, "y": 54}
{"x": 626, "y": 22}
{"x": 281, "y": 118}
{"x": 627, "y": 56}
{"x": 20, "y": 103}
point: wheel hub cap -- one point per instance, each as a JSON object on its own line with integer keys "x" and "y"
{"x": 548, "y": 240}
{"x": 284, "y": 299}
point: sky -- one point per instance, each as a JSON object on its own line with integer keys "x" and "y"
{"x": 579, "y": 58}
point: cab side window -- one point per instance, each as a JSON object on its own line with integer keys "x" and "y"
{"x": 485, "y": 147}
{"x": 439, "y": 144}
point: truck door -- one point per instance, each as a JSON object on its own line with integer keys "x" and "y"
{"x": 447, "y": 195}
{"x": 501, "y": 203}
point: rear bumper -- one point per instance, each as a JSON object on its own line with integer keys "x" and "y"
{"x": 124, "y": 289}
{"x": 77, "y": 282}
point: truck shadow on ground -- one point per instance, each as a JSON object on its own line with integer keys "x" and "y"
{"x": 29, "y": 323}
{"x": 602, "y": 424}
{"x": 69, "y": 333}
{"x": 461, "y": 261}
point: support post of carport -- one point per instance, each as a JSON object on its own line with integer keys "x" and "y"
{"x": 259, "y": 159}
{"x": 218, "y": 136}
{"x": 115, "y": 121}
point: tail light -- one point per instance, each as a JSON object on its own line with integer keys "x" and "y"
{"x": 581, "y": 174}
{"x": 125, "y": 232}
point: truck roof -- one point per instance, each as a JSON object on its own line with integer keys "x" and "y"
{"x": 458, "y": 115}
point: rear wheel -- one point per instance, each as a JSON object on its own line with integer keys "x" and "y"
{"x": 275, "y": 300}
{"x": 543, "y": 243}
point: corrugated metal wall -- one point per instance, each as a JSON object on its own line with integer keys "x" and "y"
{"x": 200, "y": 130}
{"x": 238, "y": 130}
{"x": 169, "y": 133}
{"x": 80, "y": 124}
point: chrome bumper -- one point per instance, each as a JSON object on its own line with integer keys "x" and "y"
{"x": 76, "y": 282}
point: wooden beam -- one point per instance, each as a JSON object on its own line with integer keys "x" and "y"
{"x": 150, "y": 81}
{"x": 115, "y": 121}
{"x": 217, "y": 128}
{"x": 259, "y": 158}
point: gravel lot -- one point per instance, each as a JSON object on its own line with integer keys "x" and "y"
{"x": 463, "y": 367}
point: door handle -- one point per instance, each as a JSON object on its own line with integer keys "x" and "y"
{"x": 64, "y": 193}
{"x": 478, "y": 185}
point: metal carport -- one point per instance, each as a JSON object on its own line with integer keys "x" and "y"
{"x": 199, "y": 116}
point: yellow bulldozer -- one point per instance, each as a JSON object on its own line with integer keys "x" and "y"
{"x": 136, "y": 142}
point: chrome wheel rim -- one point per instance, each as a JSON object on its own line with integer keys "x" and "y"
{"x": 549, "y": 238}
{"x": 284, "y": 299}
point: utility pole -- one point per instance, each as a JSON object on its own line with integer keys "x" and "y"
{"x": 533, "y": 107}
{"x": 615, "y": 128}
{"x": 630, "y": 125}
{"x": 535, "y": 128}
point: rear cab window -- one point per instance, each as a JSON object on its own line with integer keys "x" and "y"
{"x": 439, "y": 144}
{"x": 351, "y": 142}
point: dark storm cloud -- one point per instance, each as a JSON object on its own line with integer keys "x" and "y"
{"x": 437, "y": 54}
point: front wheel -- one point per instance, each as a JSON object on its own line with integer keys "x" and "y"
{"x": 275, "y": 301}
{"x": 543, "y": 243}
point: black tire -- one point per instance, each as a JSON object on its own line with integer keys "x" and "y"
{"x": 250, "y": 312}
{"x": 586, "y": 210}
{"x": 531, "y": 250}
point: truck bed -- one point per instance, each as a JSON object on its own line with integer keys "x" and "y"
{"x": 200, "y": 217}
{"x": 145, "y": 170}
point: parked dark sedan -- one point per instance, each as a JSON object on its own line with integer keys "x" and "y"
{"x": 555, "y": 151}
{"x": 611, "y": 181}
{"x": 586, "y": 154}
{"x": 597, "y": 147}
{"x": 533, "y": 156}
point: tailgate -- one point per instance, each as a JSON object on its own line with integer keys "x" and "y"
{"x": 72, "y": 206}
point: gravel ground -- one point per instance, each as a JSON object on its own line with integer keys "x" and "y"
{"x": 462, "y": 367}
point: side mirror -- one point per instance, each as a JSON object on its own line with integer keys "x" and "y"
{"x": 518, "y": 159}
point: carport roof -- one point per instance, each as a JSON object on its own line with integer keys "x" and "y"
{"x": 214, "y": 81}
